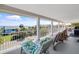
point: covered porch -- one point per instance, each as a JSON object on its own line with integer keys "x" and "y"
{"x": 69, "y": 46}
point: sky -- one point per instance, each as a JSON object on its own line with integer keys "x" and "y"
{"x": 7, "y": 19}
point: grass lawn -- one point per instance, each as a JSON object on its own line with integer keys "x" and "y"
{"x": 7, "y": 37}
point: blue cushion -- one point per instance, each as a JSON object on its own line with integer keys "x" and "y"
{"x": 30, "y": 47}
{"x": 44, "y": 40}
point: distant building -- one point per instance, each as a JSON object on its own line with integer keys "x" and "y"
{"x": 10, "y": 29}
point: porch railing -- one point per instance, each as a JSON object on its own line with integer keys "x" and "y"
{"x": 13, "y": 41}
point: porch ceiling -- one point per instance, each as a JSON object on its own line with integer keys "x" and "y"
{"x": 22, "y": 12}
{"x": 63, "y": 12}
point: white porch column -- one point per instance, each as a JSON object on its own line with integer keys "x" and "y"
{"x": 38, "y": 28}
{"x": 64, "y": 26}
{"x": 58, "y": 27}
{"x": 52, "y": 28}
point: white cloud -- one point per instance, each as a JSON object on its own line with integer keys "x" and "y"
{"x": 15, "y": 17}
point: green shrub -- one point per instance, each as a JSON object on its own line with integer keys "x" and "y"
{"x": 20, "y": 35}
{"x": 29, "y": 33}
{"x": 1, "y": 40}
{"x": 43, "y": 31}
